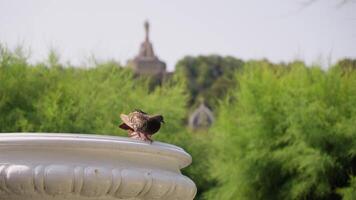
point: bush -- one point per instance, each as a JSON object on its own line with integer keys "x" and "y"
{"x": 286, "y": 133}
{"x": 55, "y": 98}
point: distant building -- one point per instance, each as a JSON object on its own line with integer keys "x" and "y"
{"x": 201, "y": 118}
{"x": 146, "y": 62}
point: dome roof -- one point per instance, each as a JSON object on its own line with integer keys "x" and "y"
{"x": 202, "y": 117}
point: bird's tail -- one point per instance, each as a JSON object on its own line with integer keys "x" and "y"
{"x": 125, "y": 126}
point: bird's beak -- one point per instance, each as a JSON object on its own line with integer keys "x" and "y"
{"x": 163, "y": 122}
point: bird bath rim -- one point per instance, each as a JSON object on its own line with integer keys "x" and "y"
{"x": 87, "y": 141}
{"x": 43, "y": 166}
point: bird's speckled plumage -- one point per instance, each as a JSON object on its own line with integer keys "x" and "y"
{"x": 141, "y": 125}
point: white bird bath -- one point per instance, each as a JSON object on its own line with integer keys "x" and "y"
{"x": 82, "y": 167}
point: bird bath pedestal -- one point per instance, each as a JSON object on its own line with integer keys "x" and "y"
{"x": 84, "y": 167}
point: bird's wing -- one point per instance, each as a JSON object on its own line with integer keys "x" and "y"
{"x": 138, "y": 120}
{"x": 135, "y": 120}
{"x": 125, "y": 126}
{"x": 125, "y": 119}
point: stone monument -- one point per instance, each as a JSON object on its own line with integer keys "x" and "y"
{"x": 146, "y": 62}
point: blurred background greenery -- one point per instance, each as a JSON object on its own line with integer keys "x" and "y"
{"x": 281, "y": 131}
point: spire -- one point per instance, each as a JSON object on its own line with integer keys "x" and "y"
{"x": 146, "y": 49}
{"x": 147, "y": 30}
{"x": 146, "y": 63}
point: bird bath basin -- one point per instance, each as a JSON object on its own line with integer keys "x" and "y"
{"x": 82, "y": 167}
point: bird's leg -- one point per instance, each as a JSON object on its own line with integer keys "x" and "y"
{"x": 147, "y": 137}
{"x": 139, "y": 134}
{"x": 135, "y": 134}
{"x": 131, "y": 133}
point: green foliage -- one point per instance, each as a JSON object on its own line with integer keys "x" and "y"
{"x": 286, "y": 133}
{"x": 349, "y": 193}
{"x": 199, "y": 147}
{"x": 49, "y": 97}
{"x": 347, "y": 64}
{"x": 208, "y": 77}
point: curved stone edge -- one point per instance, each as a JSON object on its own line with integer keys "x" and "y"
{"x": 85, "y": 141}
{"x": 92, "y": 181}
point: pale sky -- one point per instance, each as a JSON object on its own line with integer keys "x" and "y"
{"x": 279, "y": 30}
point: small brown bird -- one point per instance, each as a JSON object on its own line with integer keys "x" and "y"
{"x": 141, "y": 125}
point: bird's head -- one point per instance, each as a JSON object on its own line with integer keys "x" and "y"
{"x": 159, "y": 118}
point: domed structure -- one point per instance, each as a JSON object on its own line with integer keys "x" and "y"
{"x": 201, "y": 118}
{"x": 146, "y": 62}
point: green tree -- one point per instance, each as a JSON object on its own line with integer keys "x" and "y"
{"x": 349, "y": 193}
{"x": 51, "y": 97}
{"x": 286, "y": 133}
{"x": 347, "y": 64}
{"x": 208, "y": 77}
